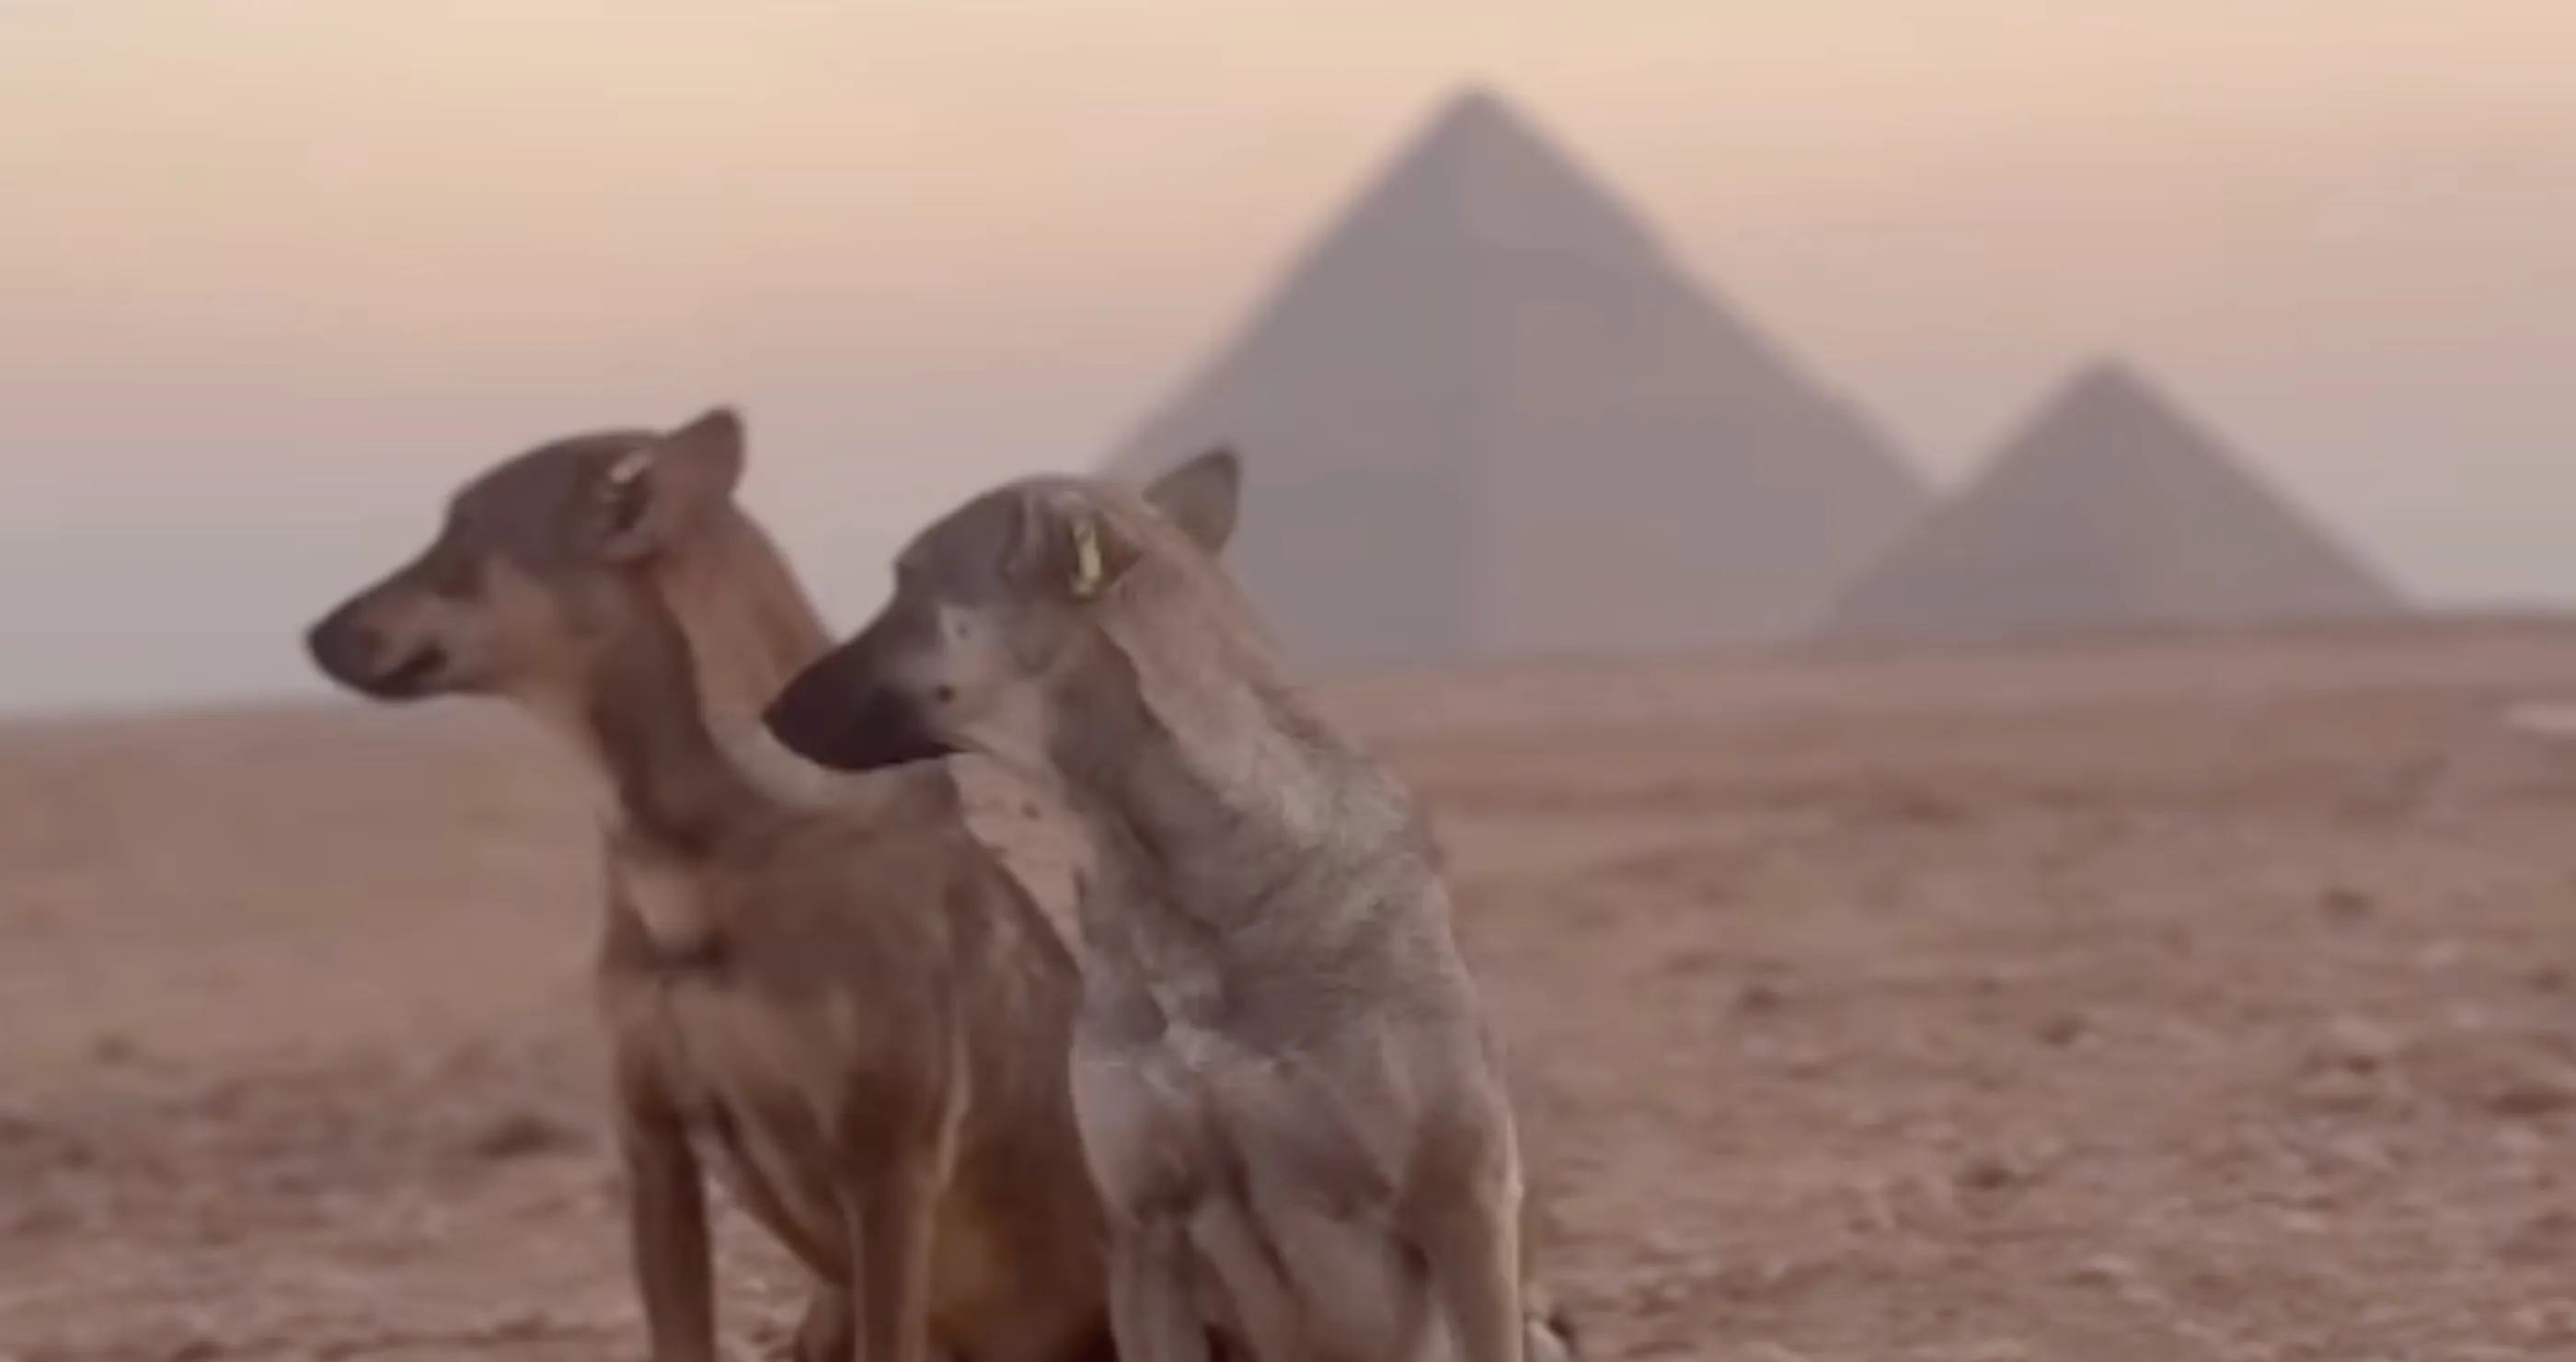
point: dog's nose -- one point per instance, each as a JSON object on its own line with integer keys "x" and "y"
{"x": 358, "y": 656}
{"x": 341, "y": 647}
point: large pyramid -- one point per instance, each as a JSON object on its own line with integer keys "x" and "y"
{"x": 1488, "y": 413}
{"x": 2111, "y": 510}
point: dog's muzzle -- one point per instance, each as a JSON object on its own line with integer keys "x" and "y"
{"x": 849, "y": 723}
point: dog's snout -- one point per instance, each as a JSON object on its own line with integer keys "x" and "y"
{"x": 836, "y": 716}
{"x": 805, "y": 716}
{"x": 355, "y": 654}
{"x": 339, "y": 643}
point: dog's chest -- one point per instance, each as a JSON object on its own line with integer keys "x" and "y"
{"x": 1148, "y": 1127}
{"x": 738, "y": 1074}
{"x": 1171, "y": 1106}
{"x": 1153, "y": 1082}
{"x": 675, "y": 909}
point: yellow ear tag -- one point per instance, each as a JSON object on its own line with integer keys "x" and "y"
{"x": 629, "y": 467}
{"x": 1087, "y": 571}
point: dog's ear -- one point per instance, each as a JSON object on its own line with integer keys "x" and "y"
{"x": 1069, "y": 547}
{"x": 659, "y": 492}
{"x": 1202, "y": 496}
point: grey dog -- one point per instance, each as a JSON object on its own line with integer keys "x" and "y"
{"x": 1283, "y": 1079}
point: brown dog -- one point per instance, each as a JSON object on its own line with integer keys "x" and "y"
{"x": 842, "y": 1000}
{"x": 1284, "y": 1083}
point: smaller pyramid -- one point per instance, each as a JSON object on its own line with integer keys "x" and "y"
{"x": 2111, "y": 510}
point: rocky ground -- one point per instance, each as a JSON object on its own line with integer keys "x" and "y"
{"x": 2123, "y": 1003}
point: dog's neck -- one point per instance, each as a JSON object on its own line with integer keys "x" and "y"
{"x": 674, "y": 787}
{"x": 1220, "y": 786}
{"x": 750, "y": 626}
{"x": 750, "y": 629}
{"x": 1253, "y": 873}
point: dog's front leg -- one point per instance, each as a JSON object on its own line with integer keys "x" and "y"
{"x": 1470, "y": 1239}
{"x": 1153, "y": 1293}
{"x": 828, "y": 1332}
{"x": 667, "y": 1226}
{"x": 891, "y": 1229}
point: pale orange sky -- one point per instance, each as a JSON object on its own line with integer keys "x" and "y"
{"x": 276, "y": 273}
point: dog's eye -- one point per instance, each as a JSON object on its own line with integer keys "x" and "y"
{"x": 451, "y": 571}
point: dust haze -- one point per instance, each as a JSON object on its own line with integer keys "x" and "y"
{"x": 283, "y": 273}
{"x": 1978, "y": 603}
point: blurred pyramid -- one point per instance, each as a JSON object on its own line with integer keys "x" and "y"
{"x": 2110, "y": 510}
{"x": 1488, "y": 413}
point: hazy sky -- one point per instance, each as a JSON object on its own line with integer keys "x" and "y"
{"x": 275, "y": 274}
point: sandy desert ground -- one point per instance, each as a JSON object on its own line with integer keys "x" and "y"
{"x": 2120, "y": 1003}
